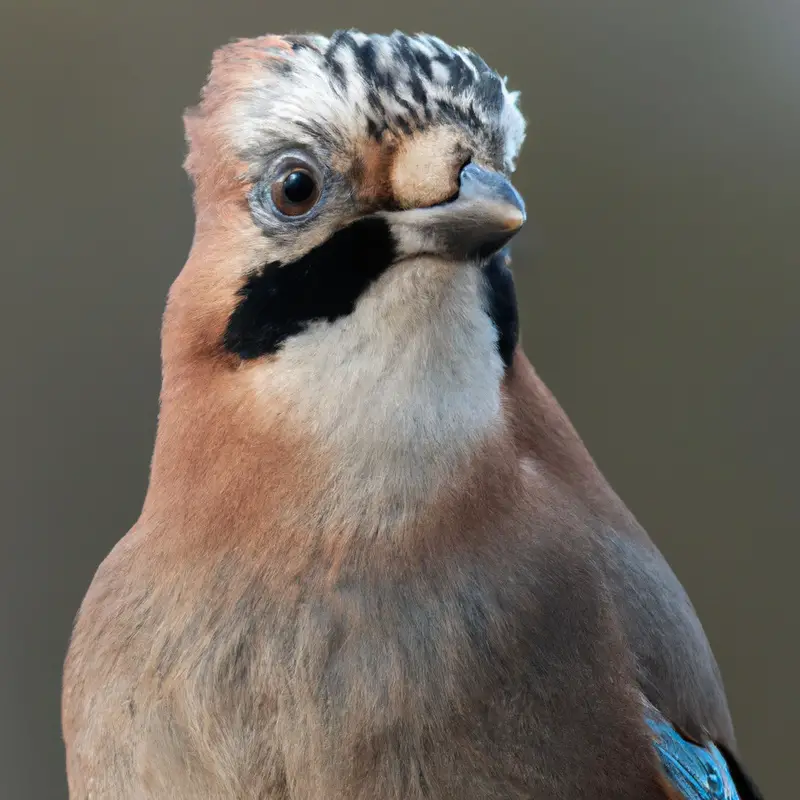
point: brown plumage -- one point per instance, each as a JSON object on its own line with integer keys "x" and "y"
{"x": 375, "y": 560}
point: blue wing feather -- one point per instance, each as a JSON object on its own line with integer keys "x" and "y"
{"x": 699, "y": 773}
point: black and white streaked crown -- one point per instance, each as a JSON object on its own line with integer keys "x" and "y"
{"x": 353, "y": 84}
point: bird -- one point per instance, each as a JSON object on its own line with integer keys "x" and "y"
{"x": 375, "y": 559}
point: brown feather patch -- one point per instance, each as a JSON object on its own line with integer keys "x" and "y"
{"x": 211, "y": 163}
{"x": 425, "y": 170}
{"x": 370, "y": 172}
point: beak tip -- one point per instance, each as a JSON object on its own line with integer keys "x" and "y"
{"x": 515, "y": 219}
{"x": 479, "y": 221}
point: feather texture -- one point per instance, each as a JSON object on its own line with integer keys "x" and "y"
{"x": 375, "y": 560}
{"x": 699, "y": 772}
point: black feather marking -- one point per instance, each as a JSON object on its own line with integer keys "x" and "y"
{"x": 424, "y": 62}
{"x": 342, "y": 38}
{"x": 449, "y": 111}
{"x": 489, "y": 93}
{"x": 334, "y": 66}
{"x": 403, "y": 124}
{"x": 365, "y": 58}
{"x": 414, "y": 59}
{"x": 385, "y": 81}
{"x": 460, "y": 75}
{"x": 405, "y": 83}
{"x": 282, "y": 66}
{"x": 463, "y": 116}
{"x": 501, "y": 299}
{"x": 443, "y": 53}
{"x": 337, "y": 71}
{"x": 374, "y": 101}
{"x": 478, "y": 62}
{"x": 373, "y": 129}
{"x": 472, "y": 116}
{"x": 299, "y": 43}
{"x": 418, "y": 90}
{"x": 315, "y": 129}
{"x": 744, "y": 783}
{"x": 403, "y": 103}
{"x": 281, "y": 300}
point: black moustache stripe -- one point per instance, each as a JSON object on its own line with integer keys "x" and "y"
{"x": 501, "y": 300}
{"x": 282, "y": 300}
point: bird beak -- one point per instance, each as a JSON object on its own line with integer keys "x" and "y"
{"x": 485, "y": 214}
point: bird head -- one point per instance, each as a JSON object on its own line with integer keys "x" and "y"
{"x": 353, "y": 204}
{"x": 323, "y": 164}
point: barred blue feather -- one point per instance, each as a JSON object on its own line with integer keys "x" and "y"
{"x": 699, "y": 773}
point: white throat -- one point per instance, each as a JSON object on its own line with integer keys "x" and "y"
{"x": 402, "y": 391}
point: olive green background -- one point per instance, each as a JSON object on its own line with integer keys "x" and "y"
{"x": 659, "y": 281}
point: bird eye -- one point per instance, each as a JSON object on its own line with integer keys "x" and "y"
{"x": 296, "y": 192}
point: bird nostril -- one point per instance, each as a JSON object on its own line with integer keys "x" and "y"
{"x": 471, "y": 174}
{"x": 459, "y": 183}
{"x": 464, "y": 170}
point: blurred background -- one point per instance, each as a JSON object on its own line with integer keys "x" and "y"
{"x": 659, "y": 284}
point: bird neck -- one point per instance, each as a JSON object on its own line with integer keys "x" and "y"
{"x": 372, "y": 422}
{"x": 370, "y": 418}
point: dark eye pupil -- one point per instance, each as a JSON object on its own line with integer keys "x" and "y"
{"x": 298, "y": 187}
